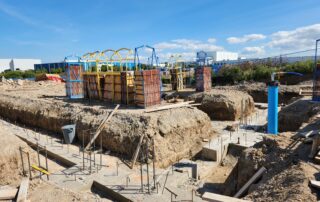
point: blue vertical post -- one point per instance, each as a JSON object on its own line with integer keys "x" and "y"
{"x": 273, "y": 107}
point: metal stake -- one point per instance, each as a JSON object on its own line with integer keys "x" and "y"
{"x": 141, "y": 171}
{"x": 30, "y": 174}
{"x": 153, "y": 163}
{"x": 46, "y": 161}
{"x": 23, "y": 171}
{"x": 39, "y": 159}
{"x": 147, "y": 161}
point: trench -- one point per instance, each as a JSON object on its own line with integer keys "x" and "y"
{"x": 52, "y": 156}
{"x": 261, "y": 96}
{"x": 125, "y": 127}
{"x": 231, "y": 183}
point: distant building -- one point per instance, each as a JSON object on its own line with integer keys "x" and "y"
{"x": 211, "y": 57}
{"x": 18, "y": 64}
{"x": 217, "y": 56}
{"x": 216, "y": 59}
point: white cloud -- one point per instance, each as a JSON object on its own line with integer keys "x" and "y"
{"x": 253, "y": 50}
{"x": 187, "y": 48}
{"x": 166, "y": 45}
{"x": 212, "y": 40}
{"x": 187, "y": 45}
{"x": 185, "y": 56}
{"x": 245, "y": 38}
{"x": 297, "y": 39}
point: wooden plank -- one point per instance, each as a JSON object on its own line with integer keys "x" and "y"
{"x": 183, "y": 104}
{"x": 23, "y": 190}
{"x": 315, "y": 184}
{"x": 135, "y": 155}
{"x": 220, "y": 198}
{"x": 253, "y": 179}
{"x": 8, "y": 194}
{"x": 101, "y": 127}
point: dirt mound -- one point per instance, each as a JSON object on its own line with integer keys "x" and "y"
{"x": 224, "y": 104}
{"x": 177, "y": 132}
{"x": 294, "y": 115}
{"x": 287, "y": 173}
{"x": 259, "y": 91}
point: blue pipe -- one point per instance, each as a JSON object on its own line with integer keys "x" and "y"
{"x": 273, "y": 89}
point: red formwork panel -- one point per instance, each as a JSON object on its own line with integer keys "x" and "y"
{"x": 203, "y": 79}
{"x": 147, "y": 88}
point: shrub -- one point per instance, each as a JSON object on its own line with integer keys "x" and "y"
{"x": 57, "y": 71}
{"x": 28, "y": 74}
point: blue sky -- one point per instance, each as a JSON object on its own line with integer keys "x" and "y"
{"x": 52, "y": 29}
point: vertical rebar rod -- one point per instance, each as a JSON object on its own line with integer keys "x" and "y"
{"x": 47, "y": 167}
{"x": 94, "y": 154}
{"x": 100, "y": 151}
{"x": 30, "y": 174}
{"x": 21, "y": 155}
{"x": 221, "y": 150}
{"x": 39, "y": 159}
{"x": 153, "y": 163}
{"x": 141, "y": 171}
{"x": 147, "y": 162}
{"x": 90, "y": 160}
{"x": 82, "y": 158}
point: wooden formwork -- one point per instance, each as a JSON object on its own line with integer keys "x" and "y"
{"x": 177, "y": 78}
{"x": 91, "y": 85}
{"x": 112, "y": 87}
{"x": 147, "y": 88}
{"x": 127, "y": 87}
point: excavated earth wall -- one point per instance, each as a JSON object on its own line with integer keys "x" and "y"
{"x": 178, "y": 133}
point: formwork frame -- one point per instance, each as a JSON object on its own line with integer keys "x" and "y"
{"x": 78, "y": 79}
{"x": 152, "y": 64}
{"x": 177, "y": 70}
{"x": 97, "y": 79}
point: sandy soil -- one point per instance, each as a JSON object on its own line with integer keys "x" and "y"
{"x": 11, "y": 169}
{"x": 178, "y": 133}
{"x": 288, "y": 169}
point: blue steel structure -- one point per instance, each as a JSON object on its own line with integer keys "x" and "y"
{"x": 151, "y": 61}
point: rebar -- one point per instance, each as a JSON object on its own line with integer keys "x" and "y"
{"x": 147, "y": 162}
{"x": 153, "y": 163}
{"x": 47, "y": 167}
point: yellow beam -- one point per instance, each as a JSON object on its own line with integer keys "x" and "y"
{"x": 40, "y": 169}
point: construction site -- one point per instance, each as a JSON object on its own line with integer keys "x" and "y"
{"x": 115, "y": 132}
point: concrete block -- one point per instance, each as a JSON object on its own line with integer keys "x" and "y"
{"x": 216, "y": 153}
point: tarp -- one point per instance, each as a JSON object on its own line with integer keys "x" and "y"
{"x": 52, "y": 77}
